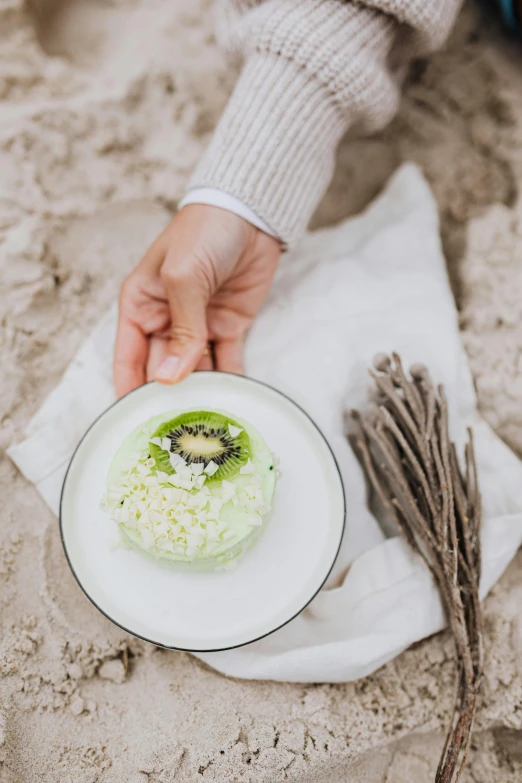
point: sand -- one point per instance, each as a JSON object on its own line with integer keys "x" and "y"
{"x": 106, "y": 105}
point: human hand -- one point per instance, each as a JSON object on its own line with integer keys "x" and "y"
{"x": 203, "y": 280}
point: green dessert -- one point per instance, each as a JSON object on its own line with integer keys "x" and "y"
{"x": 192, "y": 487}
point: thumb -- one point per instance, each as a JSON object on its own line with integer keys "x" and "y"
{"x": 188, "y": 302}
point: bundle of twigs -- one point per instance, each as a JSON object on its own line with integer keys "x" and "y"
{"x": 411, "y": 464}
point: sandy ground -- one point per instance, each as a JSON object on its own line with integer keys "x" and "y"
{"x": 106, "y": 105}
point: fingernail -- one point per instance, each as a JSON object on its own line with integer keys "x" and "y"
{"x": 168, "y": 369}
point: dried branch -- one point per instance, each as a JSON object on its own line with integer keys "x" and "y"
{"x": 405, "y": 450}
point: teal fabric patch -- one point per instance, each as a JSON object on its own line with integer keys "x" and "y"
{"x": 509, "y": 14}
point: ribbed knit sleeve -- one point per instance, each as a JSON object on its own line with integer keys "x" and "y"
{"x": 312, "y": 68}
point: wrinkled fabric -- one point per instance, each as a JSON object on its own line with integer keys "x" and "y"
{"x": 376, "y": 282}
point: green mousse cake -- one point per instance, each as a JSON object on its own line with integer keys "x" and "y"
{"x": 193, "y": 487}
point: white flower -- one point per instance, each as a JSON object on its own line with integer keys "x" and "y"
{"x": 211, "y": 468}
{"x": 175, "y": 460}
{"x": 215, "y": 504}
{"x": 212, "y": 533}
{"x": 178, "y": 513}
{"x": 228, "y": 490}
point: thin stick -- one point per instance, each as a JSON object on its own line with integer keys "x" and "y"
{"x": 412, "y": 466}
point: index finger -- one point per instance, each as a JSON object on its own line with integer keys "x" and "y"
{"x": 130, "y": 356}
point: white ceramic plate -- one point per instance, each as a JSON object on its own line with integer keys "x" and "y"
{"x": 216, "y": 610}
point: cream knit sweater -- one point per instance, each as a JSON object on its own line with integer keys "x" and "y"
{"x": 311, "y": 69}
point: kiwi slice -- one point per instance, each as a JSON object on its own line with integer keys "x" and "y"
{"x": 203, "y": 436}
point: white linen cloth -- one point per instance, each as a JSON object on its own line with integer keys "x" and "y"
{"x": 377, "y": 282}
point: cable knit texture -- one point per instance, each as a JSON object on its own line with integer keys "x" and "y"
{"x": 312, "y": 68}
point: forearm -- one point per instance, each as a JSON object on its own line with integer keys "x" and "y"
{"x": 312, "y": 69}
